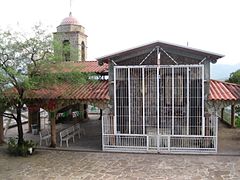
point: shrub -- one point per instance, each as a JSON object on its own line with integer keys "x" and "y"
{"x": 20, "y": 150}
{"x": 238, "y": 121}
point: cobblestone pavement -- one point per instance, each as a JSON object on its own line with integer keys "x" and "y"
{"x": 88, "y": 165}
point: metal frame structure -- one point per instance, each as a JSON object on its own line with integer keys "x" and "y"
{"x": 159, "y": 108}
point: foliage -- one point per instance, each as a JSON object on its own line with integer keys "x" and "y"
{"x": 238, "y": 121}
{"x": 22, "y": 150}
{"x": 25, "y": 59}
{"x": 48, "y": 79}
{"x": 237, "y": 109}
{"x": 234, "y": 77}
{"x": 18, "y": 52}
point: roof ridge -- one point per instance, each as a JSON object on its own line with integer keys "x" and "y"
{"x": 235, "y": 84}
{"x": 69, "y": 62}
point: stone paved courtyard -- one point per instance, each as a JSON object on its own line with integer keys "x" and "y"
{"x": 53, "y": 164}
{"x": 86, "y": 165}
{"x": 228, "y": 138}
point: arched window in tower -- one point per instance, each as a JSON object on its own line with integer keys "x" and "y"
{"x": 66, "y": 50}
{"x": 83, "y": 51}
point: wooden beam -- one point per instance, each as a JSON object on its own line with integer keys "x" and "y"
{"x": 53, "y": 129}
{"x": 133, "y": 54}
{"x": 183, "y": 53}
{"x": 233, "y": 116}
{"x": 1, "y": 129}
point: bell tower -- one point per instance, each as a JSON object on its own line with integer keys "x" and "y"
{"x": 70, "y": 40}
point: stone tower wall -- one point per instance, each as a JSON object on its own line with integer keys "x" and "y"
{"x": 75, "y": 34}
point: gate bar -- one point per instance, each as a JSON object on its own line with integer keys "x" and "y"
{"x": 216, "y": 131}
{"x": 172, "y": 100}
{"x": 158, "y": 108}
{"x": 129, "y": 102}
{"x": 115, "y": 101}
{"x": 203, "y": 118}
{"x": 143, "y": 94}
{"x": 188, "y": 100}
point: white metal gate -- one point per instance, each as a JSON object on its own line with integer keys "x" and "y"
{"x": 159, "y": 109}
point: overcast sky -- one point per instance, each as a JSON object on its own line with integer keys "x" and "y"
{"x": 114, "y": 25}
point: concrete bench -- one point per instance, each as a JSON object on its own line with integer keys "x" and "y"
{"x": 44, "y": 135}
{"x": 70, "y": 133}
{"x": 67, "y": 134}
{"x": 77, "y": 130}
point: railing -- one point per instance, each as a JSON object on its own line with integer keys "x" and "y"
{"x": 160, "y": 143}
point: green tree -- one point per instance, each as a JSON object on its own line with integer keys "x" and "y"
{"x": 234, "y": 77}
{"x": 18, "y": 51}
{"x": 24, "y": 64}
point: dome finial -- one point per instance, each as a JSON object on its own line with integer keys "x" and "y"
{"x": 70, "y": 14}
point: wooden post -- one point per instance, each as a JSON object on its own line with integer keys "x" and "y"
{"x": 1, "y": 129}
{"x": 53, "y": 129}
{"x": 222, "y": 111}
{"x": 233, "y": 116}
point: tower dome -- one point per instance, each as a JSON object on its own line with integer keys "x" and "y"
{"x": 70, "y": 20}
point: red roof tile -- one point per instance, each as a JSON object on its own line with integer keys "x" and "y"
{"x": 96, "y": 90}
{"x": 224, "y": 91}
{"x": 82, "y": 66}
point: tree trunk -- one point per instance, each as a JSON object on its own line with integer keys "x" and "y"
{"x": 53, "y": 129}
{"x": 19, "y": 126}
{"x": 1, "y": 129}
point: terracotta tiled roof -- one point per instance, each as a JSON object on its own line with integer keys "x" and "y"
{"x": 82, "y": 66}
{"x": 96, "y": 90}
{"x": 224, "y": 91}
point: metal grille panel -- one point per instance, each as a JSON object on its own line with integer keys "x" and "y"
{"x": 160, "y": 108}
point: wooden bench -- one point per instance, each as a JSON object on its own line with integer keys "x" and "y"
{"x": 44, "y": 135}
